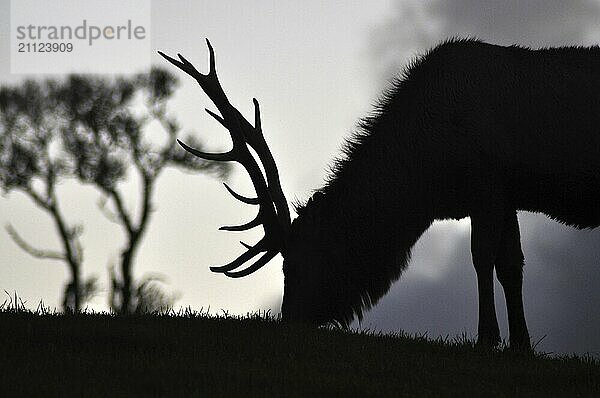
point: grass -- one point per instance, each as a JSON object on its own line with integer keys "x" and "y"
{"x": 193, "y": 354}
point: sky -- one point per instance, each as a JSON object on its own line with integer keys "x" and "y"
{"x": 316, "y": 68}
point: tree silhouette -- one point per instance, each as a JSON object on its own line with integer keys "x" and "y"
{"x": 92, "y": 129}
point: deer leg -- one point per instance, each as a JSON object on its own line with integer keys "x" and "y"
{"x": 509, "y": 269}
{"x": 485, "y": 237}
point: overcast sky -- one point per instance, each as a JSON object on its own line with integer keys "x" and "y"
{"x": 316, "y": 67}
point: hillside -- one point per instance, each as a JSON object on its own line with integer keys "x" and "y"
{"x": 193, "y": 354}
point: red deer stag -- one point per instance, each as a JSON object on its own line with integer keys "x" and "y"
{"x": 469, "y": 130}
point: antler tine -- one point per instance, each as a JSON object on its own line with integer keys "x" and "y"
{"x": 257, "y": 120}
{"x": 257, "y": 141}
{"x": 247, "y": 246}
{"x": 211, "y": 59}
{"x": 261, "y": 262}
{"x": 184, "y": 65}
{"x": 211, "y": 85}
{"x": 244, "y": 227}
{"x": 245, "y": 257}
{"x": 249, "y": 201}
{"x": 222, "y": 157}
{"x": 217, "y": 117}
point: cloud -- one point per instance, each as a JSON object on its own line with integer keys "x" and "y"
{"x": 416, "y": 25}
{"x": 561, "y": 288}
{"x": 532, "y": 22}
{"x": 437, "y": 295}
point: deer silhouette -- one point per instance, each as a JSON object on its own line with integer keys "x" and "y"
{"x": 470, "y": 129}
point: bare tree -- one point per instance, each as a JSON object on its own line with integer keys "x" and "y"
{"x": 86, "y": 128}
{"x": 28, "y": 129}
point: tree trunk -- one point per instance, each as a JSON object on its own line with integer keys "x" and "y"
{"x": 127, "y": 282}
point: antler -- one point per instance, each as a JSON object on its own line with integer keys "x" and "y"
{"x": 273, "y": 213}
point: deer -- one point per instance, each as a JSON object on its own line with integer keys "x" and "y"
{"x": 469, "y": 129}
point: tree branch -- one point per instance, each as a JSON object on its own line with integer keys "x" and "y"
{"x": 121, "y": 211}
{"x": 112, "y": 217}
{"x": 37, "y": 198}
{"x": 171, "y": 129}
{"x": 66, "y": 235}
{"x": 79, "y": 251}
{"x": 37, "y": 253}
{"x": 148, "y": 184}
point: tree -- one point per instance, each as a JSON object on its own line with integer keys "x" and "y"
{"x": 28, "y": 129}
{"x": 92, "y": 129}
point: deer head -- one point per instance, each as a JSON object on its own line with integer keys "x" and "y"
{"x": 307, "y": 294}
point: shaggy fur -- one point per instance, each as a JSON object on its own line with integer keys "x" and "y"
{"x": 466, "y": 122}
